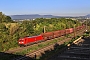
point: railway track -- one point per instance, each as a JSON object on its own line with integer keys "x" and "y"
{"x": 39, "y": 52}
{"x": 12, "y": 51}
{"x": 80, "y": 50}
{"x": 42, "y": 51}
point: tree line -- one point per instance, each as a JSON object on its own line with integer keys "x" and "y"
{"x": 11, "y": 31}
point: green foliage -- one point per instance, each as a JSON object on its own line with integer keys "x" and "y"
{"x": 11, "y": 32}
{"x": 27, "y": 28}
{"x": 3, "y": 28}
{"x": 1, "y": 17}
{"x": 13, "y": 28}
{"x": 4, "y": 18}
{"x": 8, "y": 19}
{"x": 86, "y": 34}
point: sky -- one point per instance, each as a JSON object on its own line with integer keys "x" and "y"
{"x": 43, "y": 7}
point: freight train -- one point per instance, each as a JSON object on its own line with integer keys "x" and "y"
{"x": 47, "y": 36}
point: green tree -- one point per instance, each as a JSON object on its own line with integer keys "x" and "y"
{"x": 4, "y": 18}
{"x": 28, "y": 26}
{"x": 2, "y": 27}
{"x": 8, "y": 19}
{"x": 0, "y": 17}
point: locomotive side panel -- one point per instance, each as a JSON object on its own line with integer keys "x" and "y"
{"x": 39, "y": 38}
{"x": 30, "y": 40}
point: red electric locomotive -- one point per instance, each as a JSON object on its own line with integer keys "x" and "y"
{"x": 29, "y": 40}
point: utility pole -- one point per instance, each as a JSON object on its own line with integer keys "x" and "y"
{"x": 74, "y": 31}
{"x": 86, "y": 25}
{"x": 44, "y": 29}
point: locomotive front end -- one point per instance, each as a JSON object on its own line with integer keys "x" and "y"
{"x": 21, "y": 42}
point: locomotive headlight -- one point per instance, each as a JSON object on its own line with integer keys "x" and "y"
{"x": 22, "y": 42}
{"x": 19, "y": 42}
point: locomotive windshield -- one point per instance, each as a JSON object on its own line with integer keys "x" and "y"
{"x": 21, "y": 40}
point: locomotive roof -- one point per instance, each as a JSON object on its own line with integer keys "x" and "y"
{"x": 32, "y": 36}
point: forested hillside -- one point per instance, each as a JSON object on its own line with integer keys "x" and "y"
{"x": 11, "y": 31}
